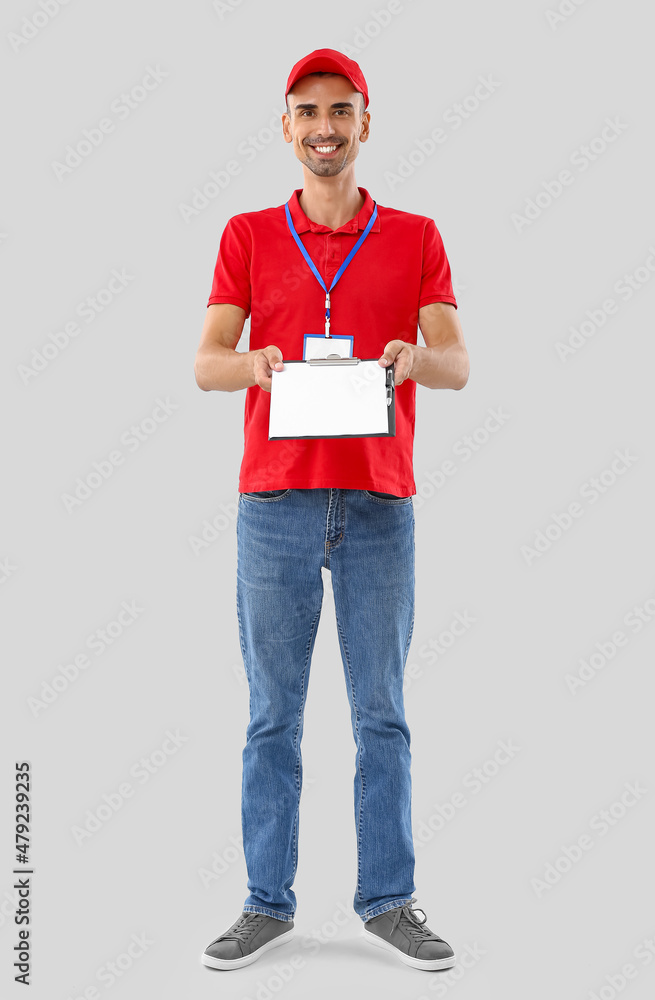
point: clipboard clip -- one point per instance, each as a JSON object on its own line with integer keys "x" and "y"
{"x": 333, "y": 359}
{"x": 390, "y": 383}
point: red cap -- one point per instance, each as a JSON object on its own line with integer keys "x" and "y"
{"x": 329, "y": 61}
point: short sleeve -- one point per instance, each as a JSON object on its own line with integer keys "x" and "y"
{"x": 436, "y": 284}
{"x": 231, "y": 281}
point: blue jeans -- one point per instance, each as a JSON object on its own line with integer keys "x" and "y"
{"x": 366, "y": 540}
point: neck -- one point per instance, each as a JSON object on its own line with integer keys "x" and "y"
{"x": 331, "y": 201}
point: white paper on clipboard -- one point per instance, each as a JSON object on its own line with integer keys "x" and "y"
{"x": 332, "y": 400}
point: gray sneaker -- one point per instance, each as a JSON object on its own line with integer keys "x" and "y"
{"x": 400, "y": 931}
{"x": 247, "y": 938}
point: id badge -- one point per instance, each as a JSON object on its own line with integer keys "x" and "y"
{"x": 317, "y": 345}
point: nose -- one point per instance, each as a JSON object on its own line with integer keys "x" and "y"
{"x": 324, "y": 125}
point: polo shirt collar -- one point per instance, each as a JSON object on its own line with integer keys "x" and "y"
{"x": 304, "y": 225}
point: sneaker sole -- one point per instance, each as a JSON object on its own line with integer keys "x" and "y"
{"x": 238, "y": 963}
{"x": 429, "y": 964}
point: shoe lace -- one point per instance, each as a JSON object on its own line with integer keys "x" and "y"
{"x": 411, "y": 923}
{"x": 245, "y": 926}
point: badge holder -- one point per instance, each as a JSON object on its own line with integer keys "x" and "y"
{"x": 317, "y": 345}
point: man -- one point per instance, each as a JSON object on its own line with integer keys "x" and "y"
{"x": 344, "y": 503}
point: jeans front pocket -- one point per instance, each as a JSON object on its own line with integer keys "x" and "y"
{"x": 263, "y": 495}
{"x": 386, "y": 497}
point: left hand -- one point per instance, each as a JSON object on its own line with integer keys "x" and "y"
{"x": 402, "y": 353}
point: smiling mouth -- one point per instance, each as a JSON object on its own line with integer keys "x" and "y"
{"x": 325, "y": 149}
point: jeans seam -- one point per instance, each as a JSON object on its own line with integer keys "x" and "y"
{"x": 314, "y": 626}
{"x": 326, "y": 548}
{"x": 359, "y": 762}
{"x": 409, "y": 637}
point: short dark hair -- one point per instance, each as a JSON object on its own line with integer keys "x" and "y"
{"x": 321, "y": 72}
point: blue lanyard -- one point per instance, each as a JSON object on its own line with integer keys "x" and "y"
{"x": 343, "y": 266}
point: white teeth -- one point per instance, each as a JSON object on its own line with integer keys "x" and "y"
{"x": 325, "y": 149}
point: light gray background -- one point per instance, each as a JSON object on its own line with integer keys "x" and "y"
{"x": 178, "y": 665}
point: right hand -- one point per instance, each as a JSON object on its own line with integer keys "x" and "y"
{"x": 263, "y": 363}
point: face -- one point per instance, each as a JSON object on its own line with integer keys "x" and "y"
{"x": 325, "y": 111}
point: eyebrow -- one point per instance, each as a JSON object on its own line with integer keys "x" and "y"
{"x": 310, "y": 107}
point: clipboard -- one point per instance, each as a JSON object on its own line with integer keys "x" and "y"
{"x": 332, "y": 397}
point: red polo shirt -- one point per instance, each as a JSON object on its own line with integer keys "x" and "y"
{"x": 401, "y": 266}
